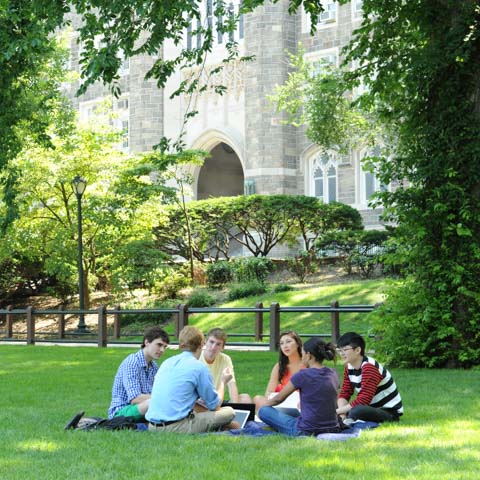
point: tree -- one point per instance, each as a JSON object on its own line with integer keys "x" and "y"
{"x": 421, "y": 62}
{"x": 31, "y": 71}
{"x": 315, "y": 96}
{"x": 120, "y": 209}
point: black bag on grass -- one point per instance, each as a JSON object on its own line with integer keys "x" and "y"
{"x": 79, "y": 422}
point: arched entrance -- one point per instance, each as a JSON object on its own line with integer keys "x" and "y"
{"x": 221, "y": 175}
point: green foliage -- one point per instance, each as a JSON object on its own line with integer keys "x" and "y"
{"x": 303, "y": 264}
{"x": 314, "y": 96}
{"x": 247, "y": 289}
{"x": 425, "y": 322}
{"x": 258, "y": 222}
{"x": 420, "y": 70}
{"x": 252, "y": 269}
{"x": 137, "y": 322}
{"x": 219, "y": 274}
{"x": 169, "y": 283}
{"x": 282, "y": 287}
{"x": 360, "y": 250}
{"x": 313, "y": 218}
{"x": 200, "y": 299}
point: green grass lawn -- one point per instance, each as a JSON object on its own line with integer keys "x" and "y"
{"x": 42, "y": 387}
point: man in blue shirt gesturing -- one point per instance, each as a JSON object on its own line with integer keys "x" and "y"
{"x": 179, "y": 383}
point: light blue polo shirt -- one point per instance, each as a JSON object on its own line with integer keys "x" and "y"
{"x": 180, "y": 382}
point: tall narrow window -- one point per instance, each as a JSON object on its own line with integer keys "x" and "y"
{"x": 370, "y": 182}
{"x": 231, "y": 13}
{"x": 209, "y": 14}
{"x": 324, "y": 177}
{"x": 189, "y": 36}
{"x": 241, "y": 24}
{"x": 199, "y": 34}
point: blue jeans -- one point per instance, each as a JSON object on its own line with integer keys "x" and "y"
{"x": 280, "y": 421}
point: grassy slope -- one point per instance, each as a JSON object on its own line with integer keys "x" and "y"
{"x": 42, "y": 387}
{"x": 357, "y": 292}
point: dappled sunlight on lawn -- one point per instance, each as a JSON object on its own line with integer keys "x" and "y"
{"x": 38, "y": 446}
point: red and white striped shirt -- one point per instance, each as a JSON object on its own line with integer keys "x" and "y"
{"x": 374, "y": 386}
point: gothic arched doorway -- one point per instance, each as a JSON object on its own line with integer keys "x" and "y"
{"x": 221, "y": 175}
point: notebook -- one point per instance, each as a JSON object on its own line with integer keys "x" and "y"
{"x": 292, "y": 401}
{"x": 241, "y": 416}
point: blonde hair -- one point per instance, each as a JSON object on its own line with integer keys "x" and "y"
{"x": 190, "y": 338}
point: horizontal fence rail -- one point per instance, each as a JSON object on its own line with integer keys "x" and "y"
{"x": 181, "y": 315}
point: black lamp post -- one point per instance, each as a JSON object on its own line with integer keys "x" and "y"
{"x": 78, "y": 186}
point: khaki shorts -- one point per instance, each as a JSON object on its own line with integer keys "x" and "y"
{"x": 198, "y": 422}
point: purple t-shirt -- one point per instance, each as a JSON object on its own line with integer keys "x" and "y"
{"x": 318, "y": 399}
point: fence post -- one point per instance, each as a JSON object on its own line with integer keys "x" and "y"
{"x": 335, "y": 322}
{"x": 30, "y": 326}
{"x": 182, "y": 319}
{"x": 258, "y": 323}
{"x": 61, "y": 322}
{"x": 102, "y": 326}
{"x": 117, "y": 322}
{"x": 274, "y": 326}
{"x": 9, "y": 323}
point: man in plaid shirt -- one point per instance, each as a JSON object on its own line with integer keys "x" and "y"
{"x": 134, "y": 379}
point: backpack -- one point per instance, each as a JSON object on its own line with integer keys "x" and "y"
{"x": 79, "y": 422}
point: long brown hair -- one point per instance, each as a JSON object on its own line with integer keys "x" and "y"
{"x": 283, "y": 359}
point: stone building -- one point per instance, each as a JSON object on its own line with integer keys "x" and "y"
{"x": 251, "y": 150}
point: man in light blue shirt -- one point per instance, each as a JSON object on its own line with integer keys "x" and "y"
{"x": 179, "y": 383}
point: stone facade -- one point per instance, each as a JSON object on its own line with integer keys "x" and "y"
{"x": 249, "y": 145}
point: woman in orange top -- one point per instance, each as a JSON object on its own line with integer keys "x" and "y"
{"x": 289, "y": 362}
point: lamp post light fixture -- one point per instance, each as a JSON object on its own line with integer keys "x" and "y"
{"x": 78, "y": 187}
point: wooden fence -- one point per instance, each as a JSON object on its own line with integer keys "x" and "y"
{"x": 182, "y": 315}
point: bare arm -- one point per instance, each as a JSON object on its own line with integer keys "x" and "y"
{"x": 233, "y": 391}
{"x": 343, "y": 407}
{"x": 282, "y": 395}
{"x": 141, "y": 398}
{"x": 273, "y": 382}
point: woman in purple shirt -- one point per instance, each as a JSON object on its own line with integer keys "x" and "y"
{"x": 318, "y": 387}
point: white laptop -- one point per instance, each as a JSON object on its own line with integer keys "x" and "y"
{"x": 241, "y": 416}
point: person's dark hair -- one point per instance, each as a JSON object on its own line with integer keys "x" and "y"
{"x": 353, "y": 340}
{"x": 153, "y": 333}
{"x": 319, "y": 349}
{"x": 282, "y": 358}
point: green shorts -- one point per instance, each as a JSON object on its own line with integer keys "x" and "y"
{"x": 130, "y": 411}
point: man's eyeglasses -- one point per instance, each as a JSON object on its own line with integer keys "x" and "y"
{"x": 343, "y": 349}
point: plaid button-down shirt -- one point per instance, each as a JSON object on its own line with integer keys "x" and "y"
{"x": 134, "y": 377}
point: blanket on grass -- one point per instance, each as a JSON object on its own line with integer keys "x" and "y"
{"x": 260, "y": 429}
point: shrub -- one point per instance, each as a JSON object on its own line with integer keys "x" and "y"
{"x": 170, "y": 284}
{"x": 303, "y": 264}
{"x": 219, "y": 273}
{"x": 251, "y": 269}
{"x": 282, "y": 288}
{"x": 199, "y": 299}
{"x": 139, "y": 321}
{"x": 243, "y": 290}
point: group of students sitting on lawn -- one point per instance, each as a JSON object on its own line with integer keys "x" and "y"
{"x": 186, "y": 393}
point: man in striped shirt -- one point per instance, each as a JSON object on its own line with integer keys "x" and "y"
{"x": 377, "y": 398}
